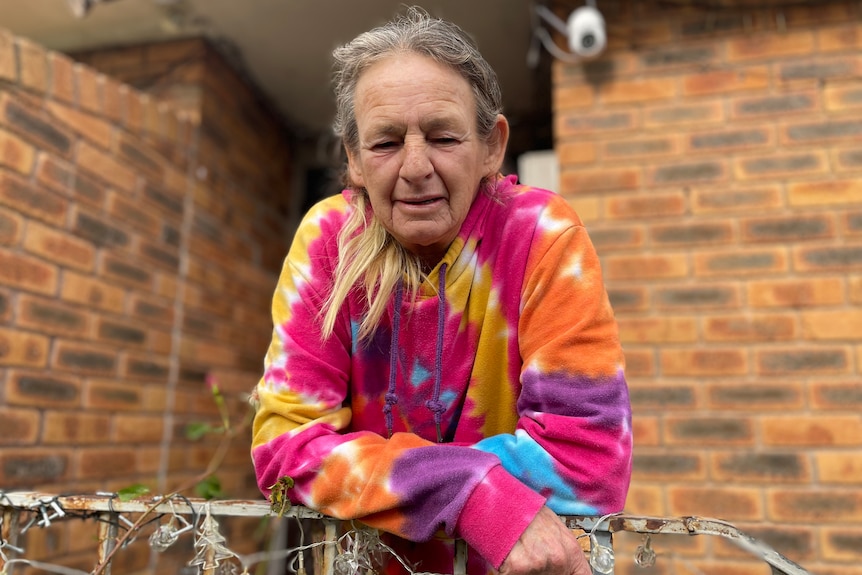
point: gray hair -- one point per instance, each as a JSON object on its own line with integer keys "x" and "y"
{"x": 415, "y": 31}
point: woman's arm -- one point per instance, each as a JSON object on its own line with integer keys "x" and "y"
{"x": 573, "y": 439}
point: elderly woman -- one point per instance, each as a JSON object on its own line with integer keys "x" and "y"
{"x": 444, "y": 355}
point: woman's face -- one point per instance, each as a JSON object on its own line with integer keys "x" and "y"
{"x": 419, "y": 155}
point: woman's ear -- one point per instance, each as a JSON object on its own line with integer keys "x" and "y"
{"x": 354, "y": 170}
{"x": 497, "y": 142}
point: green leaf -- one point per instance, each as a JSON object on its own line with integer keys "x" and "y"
{"x": 132, "y": 492}
{"x": 196, "y": 430}
{"x": 210, "y": 488}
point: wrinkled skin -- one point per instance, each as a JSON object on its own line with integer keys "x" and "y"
{"x": 546, "y": 547}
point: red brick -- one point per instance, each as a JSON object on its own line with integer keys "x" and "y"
{"x": 573, "y": 182}
{"x": 755, "y": 396}
{"x": 22, "y": 349}
{"x": 776, "y": 166}
{"x": 56, "y": 174}
{"x": 579, "y": 123}
{"x": 742, "y": 139}
{"x": 704, "y": 430}
{"x": 759, "y": 467}
{"x": 729, "y": 503}
{"x": 27, "y": 273}
{"x": 620, "y": 267}
{"x": 641, "y": 148}
{"x": 152, "y": 119}
{"x": 62, "y": 77}
{"x": 781, "y": 105}
{"x": 839, "y": 467}
{"x": 827, "y": 429}
{"x": 637, "y": 91}
{"x": 808, "y": 361}
{"x": 43, "y": 390}
{"x": 703, "y": 362}
{"x": 815, "y": 506}
{"x": 770, "y": 46}
{"x": 607, "y": 239}
{"x": 146, "y": 367}
{"x": 746, "y": 200}
{"x": 86, "y": 125}
{"x": 665, "y": 329}
{"x": 646, "y": 500}
{"x": 83, "y": 358}
{"x": 692, "y": 234}
{"x": 788, "y": 229}
{"x": 29, "y": 466}
{"x": 8, "y": 60}
{"x": 836, "y": 395}
{"x": 38, "y": 203}
{"x": 120, "y": 333}
{"x": 89, "y": 92}
{"x": 15, "y": 153}
{"x": 139, "y": 429}
{"x": 114, "y": 397}
{"x": 796, "y": 293}
{"x": 33, "y": 65}
{"x": 106, "y": 167}
{"x": 105, "y": 462}
{"x": 11, "y": 227}
{"x": 142, "y": 157}
{"x": 839, "y": 38}
{"x": 90, "y": 291}
{"x": 51, "y": 317}
{"x": 651, "y": 466}
{"x": 749, "y": 328}
{"x": 726, "y": 81}
{"x": 846, "y": 257}
{"x": 842, "y": 543}
{"x": 29, "y": 120}
{"x": 651, "y": 395}
{"x": 842, "y": 97}
{"x": 794, "y": 542}
{"x": 631, "y": 206}
{"x": 59, "y": 247}
{"x": 629, "y": 298}
{"x": 76, "y": 427}
{"x": 111, "y": 98}
{"x": 827, "y": 325}
{"x": 208, "y": 352}
{"x": 133, "y": 115}
{"x": 573, "y": 152}
{"x": 741, "y": 262}
{"x": 688, "y": 172}
{"x": 573, "y": 96}
{"x": 700, "y": 296}
{"x": 684, "y": 115}
{"x": 125, "y": 270}
{"x": 645, "y": 431}
{"x": 825, "y": 193}
{"x": 19, "y": 426}
{"x": 855, "y": 290}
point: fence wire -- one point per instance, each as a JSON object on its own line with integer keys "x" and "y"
{"x": 340, "y": 551}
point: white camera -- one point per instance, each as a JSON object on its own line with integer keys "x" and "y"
{"x": 586, "y": 32}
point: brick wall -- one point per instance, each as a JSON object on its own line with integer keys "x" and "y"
{"x": 140, "y": 237}
{"x": 716, "y": 157}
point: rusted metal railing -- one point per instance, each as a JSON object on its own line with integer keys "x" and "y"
{"x": 22, "y": 511}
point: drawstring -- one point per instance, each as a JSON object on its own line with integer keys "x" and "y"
{"x": 391, "y": 396}
{"x": 434, "y": 404}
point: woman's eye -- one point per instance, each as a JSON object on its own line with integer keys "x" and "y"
{"x": 384, "y": 145}
{"x": 445, "y": 140}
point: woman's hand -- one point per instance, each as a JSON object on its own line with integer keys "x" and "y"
{"x": 548, "y": 547}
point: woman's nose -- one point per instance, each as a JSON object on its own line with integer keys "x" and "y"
{"x": 415, "y": 165}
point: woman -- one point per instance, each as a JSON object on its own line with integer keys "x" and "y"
{"x": 444, "y": 355}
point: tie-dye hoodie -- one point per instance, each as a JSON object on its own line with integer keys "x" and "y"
{"x": 510, "y": 355}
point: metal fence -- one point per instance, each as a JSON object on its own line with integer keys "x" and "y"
{"x": 333, "y": 550}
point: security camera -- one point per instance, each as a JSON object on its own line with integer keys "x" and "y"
{"x": 586, "y": 32}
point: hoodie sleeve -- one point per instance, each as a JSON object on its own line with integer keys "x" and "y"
{"x": 404, "y": 485}
{"x": 573, "y": 439}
